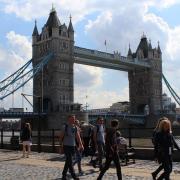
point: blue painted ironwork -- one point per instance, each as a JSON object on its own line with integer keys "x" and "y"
{"x": 131, "y": 118}
{"x": 17, "y": 82}
{"x": 7, "y": 81}
{"x": 171, "y": 90}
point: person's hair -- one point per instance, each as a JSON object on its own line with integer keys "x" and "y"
{"x": 158, "y": 123}
{"x": 99, "y": 118}
{"x": 71, "y": 115}
{"x": 28, "y": 126}
{"x": 114, "y": 123}
{"x": 77, "y": 122}
{"x": 118, "y": 133}
{"x": 163, "y": 123}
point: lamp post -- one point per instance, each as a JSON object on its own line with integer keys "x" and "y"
{"x": 39, "y": 125}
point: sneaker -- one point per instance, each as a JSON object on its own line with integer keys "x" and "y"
{"x": 153, "y": 176}
{"x": 64, "y": 178}
{"x": 81, "y": 173}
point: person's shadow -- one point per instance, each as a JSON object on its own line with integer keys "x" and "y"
{"x": 87, "y": 172}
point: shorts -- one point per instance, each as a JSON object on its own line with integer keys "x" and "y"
{"x": 28, "y": 143}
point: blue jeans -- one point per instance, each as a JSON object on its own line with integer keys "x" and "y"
{"x": 78, "y": 156}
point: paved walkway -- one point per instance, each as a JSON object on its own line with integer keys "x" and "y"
{"x": 47, "y": 166}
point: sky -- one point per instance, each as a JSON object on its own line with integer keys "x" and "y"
{"x": 118, "y": 22}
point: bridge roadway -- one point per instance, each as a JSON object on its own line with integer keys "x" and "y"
{"x": 130, "y": 118}
{"x": 107, "y": 60}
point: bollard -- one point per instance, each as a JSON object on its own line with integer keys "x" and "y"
{"x": 53, "y": 141}
{"x": 2, "y": 144}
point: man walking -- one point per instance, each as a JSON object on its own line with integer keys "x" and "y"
{"x": 68, "y": 138}
{"x": 99, "y": 140}
{"x": 111, "y": 151}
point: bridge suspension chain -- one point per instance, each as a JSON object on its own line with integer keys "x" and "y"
{"x": 17, "y": 82}
{"x": 171, "y": 90}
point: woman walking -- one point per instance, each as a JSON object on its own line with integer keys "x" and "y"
{"x": 164, "y": 143}
{"x": 26, "y": 139}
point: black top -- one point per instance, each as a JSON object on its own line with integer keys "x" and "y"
{"x": 110, "y": 140}
{"x": 164, "y": 141}
{"x": 26, "y": 134}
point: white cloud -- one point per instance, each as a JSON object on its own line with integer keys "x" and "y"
{"x": 18, "y": 53}
{"x": 161, "y": 4}
{"x": 96, "y": 98}
{"x": 20, "y": 44}
{"x": 173, "y": 45}
{"x": 12, "y": 58}
{"x": 32, "y": 9}
{"x": 88, "y": 76}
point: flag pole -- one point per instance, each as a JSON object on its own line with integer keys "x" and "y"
{"x": 105, "y": 45}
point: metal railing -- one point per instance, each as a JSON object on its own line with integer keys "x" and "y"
{"x": 136, "y": 137}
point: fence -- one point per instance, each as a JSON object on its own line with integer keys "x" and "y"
{"x": 136, "y": 137}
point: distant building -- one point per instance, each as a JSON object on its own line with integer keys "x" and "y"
{"x": 178, "y": 111}
{"x": 167, "y": 105}
{"x": 98, "y": 111}
{"x": 2, "y": 109}
{"x": 16, "y": 109}
{"x": 120, "y": 107}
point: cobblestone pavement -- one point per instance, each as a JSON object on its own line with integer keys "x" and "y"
{"x": 48, "y": 166}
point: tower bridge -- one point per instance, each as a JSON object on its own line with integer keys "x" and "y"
{"x": 53, "y": 58}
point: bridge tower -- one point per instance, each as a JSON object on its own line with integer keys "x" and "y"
{"x": 145, "y": 86}
{"x": 54, "y": 84}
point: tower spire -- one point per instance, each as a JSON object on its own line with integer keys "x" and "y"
{"x": 53, "y": 9}
{"x": 150, "y": 46}
{"x": 129, "y": 51}
{"x": 70, "y": 28}
{"x": 35, "y": 31}
{"x": 159, "y": 49}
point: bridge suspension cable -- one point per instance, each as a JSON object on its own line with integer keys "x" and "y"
{"x": 171, "y": 90}
{"x": 10, "y": 79}
{"x": 16, "y": 82}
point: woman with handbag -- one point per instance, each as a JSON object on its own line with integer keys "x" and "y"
{"x": 164, "y": 143}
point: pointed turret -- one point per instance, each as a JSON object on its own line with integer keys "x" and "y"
{"x": 35, "y": 31}
{"x": 70, "y": 28}
{"x": 53, "y": 20}
{"x": 143, "y": 46}
{"x": 53, "y": 23}
{"x": 159, "y": 49}
{"x": 129, "y": 52}
{"x": 150, "y": 46}
{"x": 35, "y": 34}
